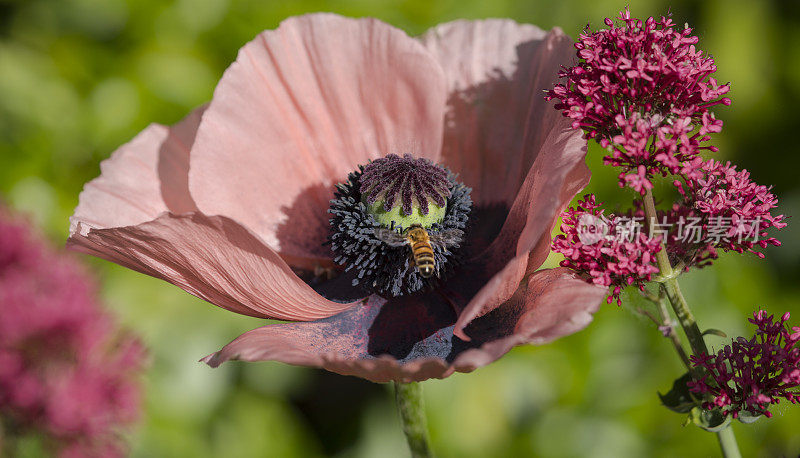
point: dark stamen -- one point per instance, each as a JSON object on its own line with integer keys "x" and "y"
{"x": 385, "y": 268}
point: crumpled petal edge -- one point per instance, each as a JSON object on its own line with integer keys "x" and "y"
{"x": 386, "y": 368}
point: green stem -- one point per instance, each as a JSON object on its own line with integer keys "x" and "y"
{"x": 7, "y": 439}
{"x": 664, "y": 320}
{"x": 408, "y": 397}
{"x": 727, "y": 442}
{"x": 672, "y": 289}
{"x": 684, "y": 315}
{"x": 673, "y": 336}
{"x": 670, "y": 286}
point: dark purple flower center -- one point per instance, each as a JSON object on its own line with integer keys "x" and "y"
{"x": 375, "y": 244}
{"x": 407, "y": 179}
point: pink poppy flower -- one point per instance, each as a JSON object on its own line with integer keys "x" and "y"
{"x": 231, "y": 203}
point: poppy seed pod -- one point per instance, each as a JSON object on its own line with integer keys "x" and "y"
{"x": 373, "y": 212}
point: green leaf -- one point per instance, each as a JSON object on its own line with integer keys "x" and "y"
{"x": 748, "y": 417}
{"x": 715, "y": 332}
{"x": 711, "y": 420}
{"x": 679, "y": 399}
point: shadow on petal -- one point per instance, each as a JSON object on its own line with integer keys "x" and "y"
{"x": 508, "y": 143}
{"x": 304, "y": 105}
{"x": 485, "y": 223}
{"x": 410, "y": 327}
{"x": 142, "y": 179}
{"x": 302, "y": 238}
{"x": 497, "y": 118}
{"x": 303, "y": 232}
{"x": 173, "y": 164}
{"x": 411, "y": 338}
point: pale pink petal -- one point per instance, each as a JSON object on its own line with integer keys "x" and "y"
{"x": 214, "y": 258}
{"x": 142, "y": 179}
{"x": 557, "y": 303}
{"x": 507, "y": 142}
{"x": 302, "y": 107}
{"x": 524, "y": 241}
{"x": 411, "y": 338}
{"x": 497, "y": 119}
{"x": 122, "y": 217}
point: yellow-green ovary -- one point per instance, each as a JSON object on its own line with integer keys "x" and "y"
{"x": 435, "y": 214}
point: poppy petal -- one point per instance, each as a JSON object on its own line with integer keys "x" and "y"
{"x": 507, "y": 142}
{"x": 497, "y": 120}
{"x": 142, "y": 179}
{"x": 213, "y": 258}
{"x": 302, "y": 106}
{"x": 411, "y": 338}
{"x": 524, "y": 240}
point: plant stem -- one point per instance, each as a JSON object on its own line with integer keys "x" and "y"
{"x": 727, "y": 442}
{"x": 670, "y": 286}
{"x": 408, "y": 397}
{"x": 7, "y": 437}
{"x": 663, "y": 321}
{"x": 684, "y": 315}
{"x": 673, "y": 336}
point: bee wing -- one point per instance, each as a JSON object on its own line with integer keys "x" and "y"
{"x": 390, "y": 237}
{"x": 447, "y": 237}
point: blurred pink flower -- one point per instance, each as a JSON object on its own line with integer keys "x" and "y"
{"x": 64, "y": 372}
{"x": 231, "y": 203}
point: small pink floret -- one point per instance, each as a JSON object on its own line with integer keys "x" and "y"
{"x": 725, "y": 196}
{"x": 750, "y": 375}
{"x": 644, "y": 91}
{"x": 609, "y": 259}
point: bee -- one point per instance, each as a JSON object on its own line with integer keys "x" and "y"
{"x": 421, "y": 243}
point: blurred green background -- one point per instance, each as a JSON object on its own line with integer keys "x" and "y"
{"x": 80, "y": 77}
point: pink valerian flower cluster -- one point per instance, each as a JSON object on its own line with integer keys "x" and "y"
{"x": 722, "y": 210}
{"x": 65, "y": 374}
{"x": 644, "y": 92}
{"x": 725, "y": 196}
{"x": 683, "y": 236}
{"x": 750, "y": 375}
{"x": 591, "y": 244}
{"x": 619, "y": 250}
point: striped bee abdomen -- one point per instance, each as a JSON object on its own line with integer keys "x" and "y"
{"x": 422, "y": 250}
